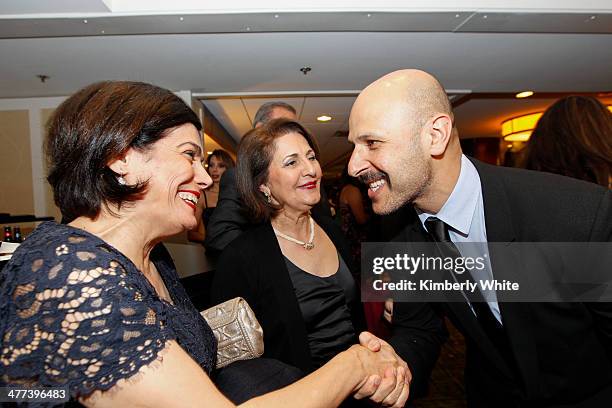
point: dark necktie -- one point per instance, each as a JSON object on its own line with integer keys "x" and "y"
{"x": 439, "y": 232}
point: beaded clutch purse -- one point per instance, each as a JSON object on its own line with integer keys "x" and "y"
{"x": 239, "y": 335}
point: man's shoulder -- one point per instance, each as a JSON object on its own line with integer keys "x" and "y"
{"x": 526, "y": 181}
{"x": 252, "y": 240}
{"x": 545, "y": 206}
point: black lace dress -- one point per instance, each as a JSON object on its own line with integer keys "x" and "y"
{"x": 76, "y": 313}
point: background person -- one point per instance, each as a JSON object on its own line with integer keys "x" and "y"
{"x": 573, "y": 138}
{"x": 354, "y": 212}
{"x": 96, "y": 306}
{"x": 233, "y": 218}
{"x": 293, "y": 268}
{"x": 218, "y": 162}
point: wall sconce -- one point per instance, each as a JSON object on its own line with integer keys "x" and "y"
{"x": 519, "y": 129}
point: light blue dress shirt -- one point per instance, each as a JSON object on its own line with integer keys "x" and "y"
{"x": 463, "y": 212}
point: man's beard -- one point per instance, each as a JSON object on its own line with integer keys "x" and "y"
{"x": 406, "y": 193}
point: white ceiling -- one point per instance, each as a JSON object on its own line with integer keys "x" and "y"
{"x": 546, "y": 46}
{"x": 270, "y": 62}
{"x": 236, "y": 115}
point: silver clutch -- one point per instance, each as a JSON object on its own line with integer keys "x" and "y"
{"x": 239, "y": 335}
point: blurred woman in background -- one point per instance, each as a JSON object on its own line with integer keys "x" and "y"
{"x": 217, "y": 163}
{"x": 573, "y": 138}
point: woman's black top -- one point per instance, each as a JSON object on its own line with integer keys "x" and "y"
{"x": 76, "y": 313}
{"x": 324, "y": 305}
{"x": 253, "y": 266}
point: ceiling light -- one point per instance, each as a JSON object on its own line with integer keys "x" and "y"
{"x": 208, "y": 152}
{"x": 519, "y": 129}
{"x": 324, "y": 118}
{"x": 524, "y": 94}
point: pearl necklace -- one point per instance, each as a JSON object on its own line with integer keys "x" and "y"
{"x": 307, "y": 245}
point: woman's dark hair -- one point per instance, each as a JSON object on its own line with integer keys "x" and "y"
{"x": 223, "y": 156}
{"x": 573, "y": 138}
{"x": 255, "y": 154}
{"x": 100, "y": 123}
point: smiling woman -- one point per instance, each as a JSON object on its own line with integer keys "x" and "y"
{"x": 95, "y": 306}
{"x": 292, "y": 262}
{"x": 174, "y": 176}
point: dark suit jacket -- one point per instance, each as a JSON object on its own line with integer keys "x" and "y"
{"x": 562, "y": 352}
{"x": 252, "y": 266}
{"x": 230, "y": 218}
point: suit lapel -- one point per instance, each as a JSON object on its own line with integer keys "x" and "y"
{"x": 459, "y": 311}
{"x": 516, "y": 316}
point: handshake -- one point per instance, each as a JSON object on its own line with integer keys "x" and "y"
{"x": 385, "y": 376}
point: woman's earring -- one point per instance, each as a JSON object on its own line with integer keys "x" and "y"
{"x": 268, "y": 197}
{"x": 121, "y": 180}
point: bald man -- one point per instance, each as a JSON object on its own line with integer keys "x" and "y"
{"x": 518, "y": 354}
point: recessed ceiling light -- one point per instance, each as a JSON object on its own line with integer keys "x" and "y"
{"x": 324, "y": 118}
{"x": 524, "y": 94}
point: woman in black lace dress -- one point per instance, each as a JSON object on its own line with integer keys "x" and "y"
{"x": 95, "y": 306}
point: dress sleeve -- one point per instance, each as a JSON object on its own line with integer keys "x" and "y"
{"x": 75, "y": 317}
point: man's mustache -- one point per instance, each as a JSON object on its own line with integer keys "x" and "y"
{"x": 371, "y": 176}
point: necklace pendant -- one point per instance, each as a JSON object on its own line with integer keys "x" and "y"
{"x": 308, "y": 245}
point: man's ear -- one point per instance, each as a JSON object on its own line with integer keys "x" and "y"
{"x": 441, "y": 130}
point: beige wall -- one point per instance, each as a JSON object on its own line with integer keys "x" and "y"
{"x": 16, "y": 195}
{"x": 50, "y": 207}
